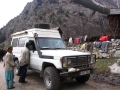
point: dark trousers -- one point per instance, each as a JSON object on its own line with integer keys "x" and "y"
{"x": 23, "y": 70}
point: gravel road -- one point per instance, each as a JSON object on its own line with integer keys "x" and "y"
{"x": 36, "y": 83}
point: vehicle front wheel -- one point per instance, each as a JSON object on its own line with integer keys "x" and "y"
{"x": 83, "y": 79}
{"x": 51, "y": 78}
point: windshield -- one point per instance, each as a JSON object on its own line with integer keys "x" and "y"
{"x": 51, "y": 43}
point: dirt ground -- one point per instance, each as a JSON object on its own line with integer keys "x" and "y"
{"x": 36, "y": 83}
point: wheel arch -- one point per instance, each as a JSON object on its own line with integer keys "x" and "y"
{"x": 44, "y": 65}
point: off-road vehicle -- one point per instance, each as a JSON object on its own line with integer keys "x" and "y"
{"x": 50, "y": 57}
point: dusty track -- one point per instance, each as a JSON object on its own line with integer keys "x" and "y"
{"x": 36, "y": 83}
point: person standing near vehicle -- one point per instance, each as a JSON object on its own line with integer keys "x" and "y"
{"x": 9, "y": 65}
{"x": 24, "y": 62}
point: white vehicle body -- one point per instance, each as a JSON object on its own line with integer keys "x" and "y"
{"x": 35, "y": 60}
{"x": 55, "y": 55}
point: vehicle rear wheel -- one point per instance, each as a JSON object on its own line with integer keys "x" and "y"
{"x": 17, "y": 71}
{"x": 83, "y": 79}
{"x": 51, "y": 78}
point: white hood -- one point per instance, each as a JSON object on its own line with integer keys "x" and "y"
{"x": 61, "y": 53}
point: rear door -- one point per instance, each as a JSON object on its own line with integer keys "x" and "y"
{"x": 34, "y": 57}
{"x": 18, "y": 44}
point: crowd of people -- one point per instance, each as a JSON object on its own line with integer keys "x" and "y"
{"x": 88, "y": 44}
{"x": 11, "y": 63}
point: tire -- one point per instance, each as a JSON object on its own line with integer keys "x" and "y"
{"x": 17, "y": 71}
{"x": 51, "y": 78}
{"x": 83, "y": 79}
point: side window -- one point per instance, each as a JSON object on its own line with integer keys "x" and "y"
{"x": 32, "y": 46}
{"x": 21, "y": 42}
{"x": 14, "y": 42}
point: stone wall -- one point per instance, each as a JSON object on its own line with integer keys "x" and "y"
{"x": 113, "y": 49}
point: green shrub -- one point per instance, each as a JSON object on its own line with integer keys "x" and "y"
{"x": 102, "y": 64}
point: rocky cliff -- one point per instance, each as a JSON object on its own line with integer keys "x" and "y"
{"x": 74, "y": 17}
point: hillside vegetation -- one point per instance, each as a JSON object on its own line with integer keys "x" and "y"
{"x": 74, "y": 17}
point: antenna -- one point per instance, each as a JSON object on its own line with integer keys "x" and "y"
{"x": 118, "y": 4}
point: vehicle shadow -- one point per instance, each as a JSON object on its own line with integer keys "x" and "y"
{"x": 34, "y": 76}
{"x": 73, "y": 85}
{"x": 64, "y": 85}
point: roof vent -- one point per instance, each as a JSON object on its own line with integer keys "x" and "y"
{"x": 42, "y": 26}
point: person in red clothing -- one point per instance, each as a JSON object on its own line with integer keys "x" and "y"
{"x": 104, "y": 38}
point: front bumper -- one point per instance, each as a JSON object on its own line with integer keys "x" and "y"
{"x": 77, "y": 73}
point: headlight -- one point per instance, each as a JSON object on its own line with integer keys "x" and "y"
{"x": 69, "y": 61}
{"x": 63, "y": 61}
{"x": 92, "y": 59}
{"x": 66, "y": 61}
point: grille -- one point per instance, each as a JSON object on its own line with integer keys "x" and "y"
{"x": 82, "y": 60}
{"x": 79, "y": 60}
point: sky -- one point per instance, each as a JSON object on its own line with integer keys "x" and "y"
{"x": 10, "y": 9}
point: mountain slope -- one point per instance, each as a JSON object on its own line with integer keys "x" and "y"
{"x": 74, "y": 18}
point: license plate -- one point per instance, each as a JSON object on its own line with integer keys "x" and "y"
{"x": 85, "y": 72}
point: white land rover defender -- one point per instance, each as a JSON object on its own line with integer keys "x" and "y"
{"x": 49, "y": 56}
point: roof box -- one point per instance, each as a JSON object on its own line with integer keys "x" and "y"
{"x": 42, "y": 26}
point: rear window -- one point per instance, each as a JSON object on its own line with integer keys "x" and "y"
{"x": 14, "y": 42}
{"x": 21, "y": 42}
